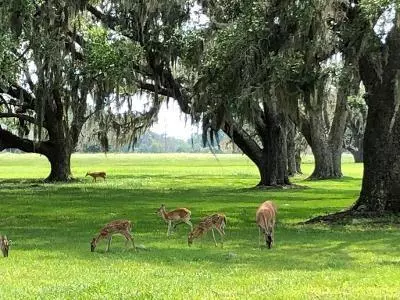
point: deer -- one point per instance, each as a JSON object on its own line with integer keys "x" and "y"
{"x": 175, "y": 217}
{"x": 265, "y": 219}
{"x": 96, "y": 174}
{"x": 4, "y": 245}
{"x": 122, "y": 227}
{"x": 215, "y": 221}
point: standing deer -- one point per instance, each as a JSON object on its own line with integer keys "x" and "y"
{"x": 96, "y": 174}
{"x": 122, "y": 227}
{"x": 175, "y": 217}
{"x": 4, "y": 245}
{"x": 265, "y": 219}
{"x": 217, "y": 221}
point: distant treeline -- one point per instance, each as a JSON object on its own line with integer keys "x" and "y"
{"x": 152, "y": 142}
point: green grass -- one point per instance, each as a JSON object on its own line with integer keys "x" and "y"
{"x": 51, "y": 226}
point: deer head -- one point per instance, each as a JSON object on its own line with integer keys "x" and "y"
{"x": 4, "y": 245}
{"x": 93, "y": 245}
{"x": 160, "y": 210}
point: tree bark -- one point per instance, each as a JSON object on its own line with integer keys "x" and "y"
{"x": 274, "y": 162}
{"x": 291, "y": 149}
{"x": 59, "y": 155}
{"x": 298, "y": 161}
{"x": 358, "y": 153}
{"x": 318, "y": 141}
{"x": 271, "y": 160}
{"x": 380, "y": 190}
{"x": 60, "y": 162}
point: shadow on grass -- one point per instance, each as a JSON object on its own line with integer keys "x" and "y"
{"x": 296, "y": 248}
{"x": 61, "y": 219}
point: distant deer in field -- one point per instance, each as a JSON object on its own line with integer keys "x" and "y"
{"x": 4, "y": 245}
{"x": 217, "y": 221}
{"x": 96, "y": 174}
{"x": 265, "y": 219}
{"x": 175, "y": 217}
{"x": 122, "y": 227}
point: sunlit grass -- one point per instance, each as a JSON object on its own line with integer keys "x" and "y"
{"x": 51, "y": 226}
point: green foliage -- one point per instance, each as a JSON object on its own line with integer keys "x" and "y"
{"x": 374, "y": 8}
{"x": 111, "y": 56}
{"x": 51, "y": 226}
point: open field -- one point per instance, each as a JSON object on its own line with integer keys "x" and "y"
{"x": 51, "y": 227}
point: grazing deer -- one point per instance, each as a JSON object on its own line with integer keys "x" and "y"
{"x": 175, "y": 217}
{"x": 4, "y": 245}
{"x": 122, "y": 227}
{"x": 217, "y": 221}
{"x": 96, "y": 174}
{"x": 265, "y": 219}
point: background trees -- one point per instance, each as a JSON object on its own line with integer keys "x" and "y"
{"x": 355, "y": 128}
{"x": 58, "y": 71}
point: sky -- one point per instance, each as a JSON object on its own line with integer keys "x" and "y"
{"x": 173, "y": 122}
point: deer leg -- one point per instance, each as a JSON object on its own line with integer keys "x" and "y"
{"x": 212, "y": 230}
{"x": 221, "y": 232}
{"x": 109, "y": 243}
{"x": 169, "y": 228}
{"x": 259, "y": 236}
{"x": 272, "y": 235}
{"x": 190, "y": 224}
{"x": 129, "y": 237}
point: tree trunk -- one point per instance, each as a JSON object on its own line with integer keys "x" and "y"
{"x": 291, "y": 149}
{"x": 357, "y": 150}
{"x": 381, "y": 181}
{"x": 274, "y": 162}
{"x": 271, "y": 160}
{"x": 60, "y": 160}
{"x": 298, "y": 161}
{"x": 358, "y": 154}
{"x": 318, "y": 141}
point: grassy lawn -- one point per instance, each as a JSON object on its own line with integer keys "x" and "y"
{"x": 51, "y": 227}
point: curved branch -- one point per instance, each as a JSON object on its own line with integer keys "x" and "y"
{"x": 17, "y": 92}
{"x": 243, "y": 140}
{"x": 9, "y": 140}
{"x": 20, "y": 117}
{"x": 110, "y": 21}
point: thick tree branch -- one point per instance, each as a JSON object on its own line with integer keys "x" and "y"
{"x": 9, "y": 140}
{"x": 152, "y": 88}
{"x": 110, "y": 21}
{"x": 243, "y": 140}
{"x": 20, "y": 117}
{"x": 18, "y": 92}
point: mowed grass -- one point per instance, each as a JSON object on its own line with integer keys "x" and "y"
{"x": 51, "y": 226}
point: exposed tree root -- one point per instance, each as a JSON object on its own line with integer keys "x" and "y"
{"x": 346, "y": 216}
{"x": 280, "y": 187}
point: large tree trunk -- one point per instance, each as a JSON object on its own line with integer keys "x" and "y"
{"x": 318, "y": 141}
{"x": 298, "y": 161}
{"x": 271, "y": 160}
{"x": 274, "y": 162}
{"x": 381, "y": 181}
{"x": 60, "y": 160}
{"x": 358, "y": 150}
{"x": 59, "y": 155}
{"x": 291, "y": 149}
{"x": 358, "y": 155}
{"x": 379, "y": 71}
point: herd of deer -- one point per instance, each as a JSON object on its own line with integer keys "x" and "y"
{"x": 265, "y": 219}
